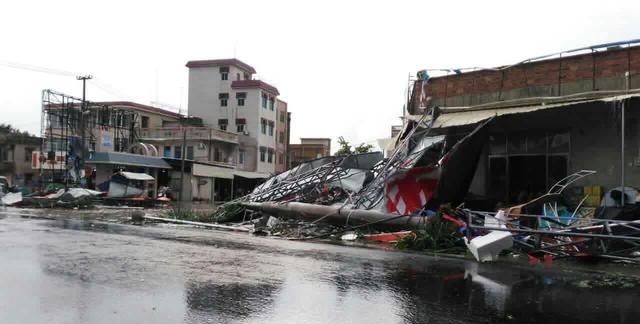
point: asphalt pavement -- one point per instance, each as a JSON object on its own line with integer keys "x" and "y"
{"x": 72, "y": 271}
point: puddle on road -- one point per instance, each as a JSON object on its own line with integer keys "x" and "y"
{"x": 241, "y": 279}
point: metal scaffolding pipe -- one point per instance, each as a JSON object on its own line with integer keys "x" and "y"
{"x": 335, "y": 214}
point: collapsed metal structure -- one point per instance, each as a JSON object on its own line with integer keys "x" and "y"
{"x": 426, "y": 171}
{"x": 331, "y": 178}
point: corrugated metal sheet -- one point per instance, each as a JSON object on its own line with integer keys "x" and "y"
{"x": 451, "y": 117}
{"x": 127, "y": 159}
{"x": 251, "y": 175}
{"x": 136, "y": 176}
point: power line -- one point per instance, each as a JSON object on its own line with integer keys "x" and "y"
{"x": 99, "y": 83}
{"x": 35, "y": 68}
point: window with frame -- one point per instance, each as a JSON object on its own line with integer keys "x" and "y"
{"x": 240, "y": 156}
{"x": 28, "y": 151}
{"x": 237, "y": 76}
{"x": 224, "y": 73}
{"x": 263, "y": 126}
{"x": 217, "y": 154}
{"x": 270, "y": 156}
{"x": 241, "y": 96}
{"x": 263, "y": 153}
{"x": 166, "y": 152}
{"x": 271, "y": 124}
{"x": 282, "y": 117}
{"x": 224, "y": 99}
{"x": 177, "y": 152}
{"x": 265, "y": 98}
{"x": 280, "y": 158}
{"x": 189, "y": 152}
{"x": 281, "y": 137}
{"x": 144, "y": 122}
{"x": 222, "y": 124}
{"x": 524, "y": 164}
{"x": 240, "y": 125}
{"x": 271, "y": 103}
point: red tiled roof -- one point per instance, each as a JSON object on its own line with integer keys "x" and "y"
{"x": 222, "y": 62}
{"x": 247, "y": 84}
{"x": 141, "y": 107}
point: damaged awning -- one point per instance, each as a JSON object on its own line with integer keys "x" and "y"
{"x": 461, "y": 116}
{"x": 251, "y": 175}
{"x": 127, "y": 159}
{"x": 136, "y": 176}
{"x": 210, "y": 171}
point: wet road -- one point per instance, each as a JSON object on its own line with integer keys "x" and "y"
{"x": 81, "y": 272}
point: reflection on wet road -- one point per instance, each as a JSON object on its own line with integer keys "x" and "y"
{"x": 81, "y": 272}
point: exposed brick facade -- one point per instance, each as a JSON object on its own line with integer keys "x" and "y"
{"x": 604, "y": 70}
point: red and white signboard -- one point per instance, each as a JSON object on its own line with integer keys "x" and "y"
{"x": 39, "y": 161}
{"x": 410, "y": 190}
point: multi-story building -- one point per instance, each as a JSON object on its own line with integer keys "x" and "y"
{"x": 16, "y": 157}
{"x": 309, "y": 149}
{"x": 224, "y": 94}
{"x": 282, "y": 133}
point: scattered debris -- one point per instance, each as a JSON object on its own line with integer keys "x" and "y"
{"x": 11, "y": 198}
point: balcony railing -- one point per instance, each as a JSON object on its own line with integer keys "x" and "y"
{"x": 201, "y": 133}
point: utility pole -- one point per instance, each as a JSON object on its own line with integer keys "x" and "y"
{"x": 83, "y": 109}
{"x": 183, "y": 154}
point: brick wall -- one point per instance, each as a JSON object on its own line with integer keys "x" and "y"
{"x": 603, "y": 70}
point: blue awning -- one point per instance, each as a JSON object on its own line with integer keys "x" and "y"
{"x": 128, "y": 159}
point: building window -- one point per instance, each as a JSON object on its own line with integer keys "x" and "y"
{"x": 240, "y": 128}
{"x": 237, "y": 76}
{"x": 240, "y": 156}
{"x": 263, "y": 152}
{"x": 144, "y": 122}
{"x": 241, "y": 96}
{"x": 28, "y": 151}
{"x": 217, "y": 155}
{"x": 190, "y": 152}
{"x": 177, "y": 152}
{"x": 280, "y": 158}
{"x": 263, "y": 126}
{"x": 222, "y": 124}
{"x": 247, "y": 76}
{"x": 264, "y": 100}
{"x": 224, "y": 99}
{"x": 167, "y": 152}
{"x": 271, "y": 103}
{"x": 282, "y": 116}
{"x": 271, "y": 128}
{"x": 224, "y": 73}
{"x": 270, "y": 156}
{"x": 281, "y": 137}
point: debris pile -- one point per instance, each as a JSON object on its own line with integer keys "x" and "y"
{"x": 413, "y": 190}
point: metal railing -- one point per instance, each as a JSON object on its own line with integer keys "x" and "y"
{"x": 203, "y": 133}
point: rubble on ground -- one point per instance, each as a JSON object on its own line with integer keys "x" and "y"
{"x": 414, "y": 189}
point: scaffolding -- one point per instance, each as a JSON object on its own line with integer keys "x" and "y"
{"x": 61, "y": 131}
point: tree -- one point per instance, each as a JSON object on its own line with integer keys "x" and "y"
{"x": 345, "y": 147}
{"x": 363, "y": 148}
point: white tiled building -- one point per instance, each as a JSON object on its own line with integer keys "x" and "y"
{"x": 223, "y": 93}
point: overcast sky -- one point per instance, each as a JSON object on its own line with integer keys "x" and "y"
{"x": 341, "y": 65}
